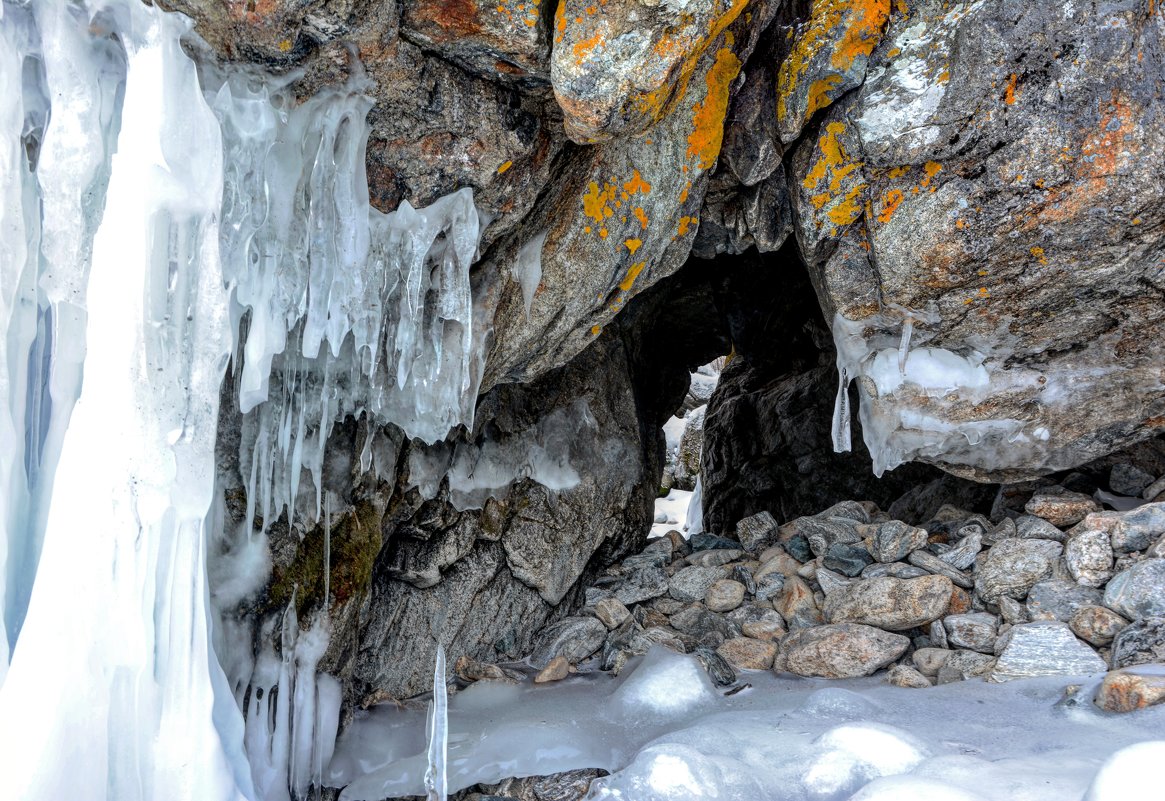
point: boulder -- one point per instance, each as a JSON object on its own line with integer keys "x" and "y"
{"x": 890, "y": 603}
{"x": 840, "y": 651}
{"x": 1140, "y": 642}
{"x": 1043, "y": 649}
{"x": 1139, "y": 591}
{"x": 1013, "y": 566}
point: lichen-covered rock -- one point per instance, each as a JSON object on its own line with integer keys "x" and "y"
{"x": 1043, "y": 649}
{"x": 951, "y": 202}
{"x": 890, "y": 603}
{"x": 1013, "y": 566}
{"x": 828, "y": 58}
{"x": 839, "y": 651}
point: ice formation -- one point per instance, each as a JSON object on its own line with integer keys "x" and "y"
{"x": 435, "y": 774}
{"x": 667, "y": 735}
{"x": 156, "y": 222}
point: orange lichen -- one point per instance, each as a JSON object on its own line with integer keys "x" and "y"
{"x": 684, "y": 192}
{"x": 1038, "y": 253}
{"x": 685, "y": 221}
{"x": 632, "y": 273}
{"x": 932, "y": 169}
{"x": 596, "y": 201}
{"x": 830, "y": 171}
{"x": 898, "y": 172}
{"x": 640, "y": 215}
{"x": 595, "y": 329}
{"x": 505, "y": 166}
{"x": 1009, "y": 90}
{"x": 633, "y": 245}
{"x": 636, "y": 184}
{"x": 708, "y": 120}
{"x": 583, "y": 48}
{"x": 603, "y": 233}
{"x": 891, "y": 200}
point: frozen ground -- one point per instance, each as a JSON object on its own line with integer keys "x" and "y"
{"x": 668, "y": 735}
{"x": 671, "y": 513}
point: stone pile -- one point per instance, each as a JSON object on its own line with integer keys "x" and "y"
{"x": 1056, "y": 586}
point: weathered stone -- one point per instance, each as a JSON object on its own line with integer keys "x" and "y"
{"x": 937, "y": 635}
{"x": 963, "y": 665}
{"x": 840, "y": 650}
{"x": 975, "y": 631}
{"x": 692, "y": 583}
{"x": 1088, "y": 554}
{"x": 757, "y": 532}
{"x": 472, "y": 670}
{"x": 962, "y": 556}
{"x": 932, "y": 564}
{"x": 1096, "y": 625}
{"x": 890, "y": 603}
{"x": 573, "y": 638}
{"x": 745, "y": 653}
{"x": 763, "y": 624}
{"x": 1136, "y": 530}
{"x": 831, "y": 582}
{"x": 1059, "y": 600}
{"x": 893, "y": 540}
{"x": 724, "y": 595}
{"x": 1043, "y": 649}
{"x": 642, "y": 585}
{"x": 930, "y": 660}
{"x": 1128, "y": 479}
{"x": 1140, "y": 642}
{"x": 611, "y": 612}
{"x": 824, "y": 532}
{"x": 717, "y": 667}
{"x": 556, "y": 670}
{"x": 894, "y": 569}
{"x": 687, "y": 463}
{"x": 1139, "y": 591}
{"x": 798, "y": 547}
{"x": 1154, "y": 490}
{"x": 1030, "y": 527}
{"x": 1059, "y": 506}
{"x": 1130, "y": 689}
{"x": 849, "y": 560}
{"x": 714, "y": 557}
{"x": 906, "y": 676}
{"x": 1012, "y": 610}
{"x": 1013, "y": 566}
{"x": 797, "y": 604}
{"x": 769, "y": 586}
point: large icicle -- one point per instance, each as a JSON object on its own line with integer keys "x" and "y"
{"x": 112, "y": 674}
{"x": 436, "y": 773}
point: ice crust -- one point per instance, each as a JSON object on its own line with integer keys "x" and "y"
{"x": 667, "y": 735}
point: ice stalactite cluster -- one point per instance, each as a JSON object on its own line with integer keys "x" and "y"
{"x": 160, "y": 226}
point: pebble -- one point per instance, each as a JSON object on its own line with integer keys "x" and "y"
{"x": 849, "y": 560}
{"x": 928, "y": 661}
{"x": 892, "y": 541}
{"x": 1059, "y": 506}
{"x": 831, "y": 582}
{"x": 1130, "y": 689}
{"x": 975, "y": 631}
{"x": 763, "y": 624}
{"x": 840, "y": 650}
{"x": 1088, "y": 553}
{"x": 932, "y": 564}
{"x": 906, "y": 676}
{"x": 1012, "y": 610}
{"x": 938, "y": 635}
{"x": 1139, "y": 591}
{"x": 890, "y": 603}
{"x": 757, "y": 532}
{"x": 1013, "y": 566}
{"x": 692, "y": 583}
{"x": 798, "y": 548}
{"x": 556, "y": 670}
{"x": 1139, "y": 643}
{"x": 724, "y": 595}
{"x": 1153, "y": 490}
{"x": 769, "y": 586}
{"x": 1044, "y": 648}
{"x": 1058, "y": 599}
{"x": 745, "y": 653}
{"x": 611, "y": 612}
{"x": 1097, "y": 625}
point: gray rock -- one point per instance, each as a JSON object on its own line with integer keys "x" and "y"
{"x": 692, "y": 583}
{"x": 975, "y": 631}
{"x": 718, "y": 669}
{"x": 930, "y": 660}
{"x": 1139, "y": 591}
{"x": 1141, "y": 642}
{"x": 1005, "y": 530}
{"x": 762, "y": 624}
{"x": 962, "y": 556}
{"x": 1137, "y": 529}
{"x": 963, "y": 665}
{"x": 642, "y": 585}
{"x": 831, "y": 582}
{"x": 1044, "y": 649}
{"x": 745, "y": 653}
{"x": 932, "y": 564}
{"x": 938, "y": 635}
{"x": 714, "y": 557}
{"x": 1154, "y": 490}
{"x": 769, "y": 586}
{"x": 595, "y": 594}
{"x": 573, "y": 638}
{"x": 823, "y": 532}
{"x": 797, "y": 605}
{"x": 890, "y": 603}
{"x": 611, "y": 612}
{"x": 724, "y": 595}
{"x": 1059, "y": 600}
{"x": 757, "y": 532}
{"x": 1030, "y": 527}
{"x": 893, "y": 540}
{"x": 1012, "y": 610}
{"x": 840, "y": 651}
{"x": 1059, "y": 506}
{"x": 1096, "y": 625}
{"x": 1088, "y": 554}
{"x": 849, "y": 560}
{"x": 894, "y": 569}
{"x": 1156, "y": 550}
{"x": 1013, "y": 566}
{"x": 1127, "y": 479}
{"x": 906, "y": 676}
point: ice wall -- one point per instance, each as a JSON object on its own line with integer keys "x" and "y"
{"x": 112, "y": 691}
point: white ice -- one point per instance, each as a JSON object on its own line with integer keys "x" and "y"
{"x": 666, "y": 734}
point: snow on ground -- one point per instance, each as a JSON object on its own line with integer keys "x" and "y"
{"x": 667, "y": 734}
{"x": 671, "y": 513}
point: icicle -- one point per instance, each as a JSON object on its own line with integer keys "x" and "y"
{"x": 904, "y": 345}
{"x": 435, "y": 774}
{"x": 841, "y": 413}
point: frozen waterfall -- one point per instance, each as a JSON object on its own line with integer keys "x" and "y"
{"x": 135, "y": 271}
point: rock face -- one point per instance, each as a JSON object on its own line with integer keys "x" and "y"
{"x": 950, "y": 202}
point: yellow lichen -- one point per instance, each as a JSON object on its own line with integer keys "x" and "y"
{"x": 505, "y": 166}
{"x": 641, "y": 215}
{"x": 636, "y": 184}
{"x": 830, "y": 171}
{"x": 633, "y": 245}
{"x": 708, "y": 120}
{"x": 632, "y": 273}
